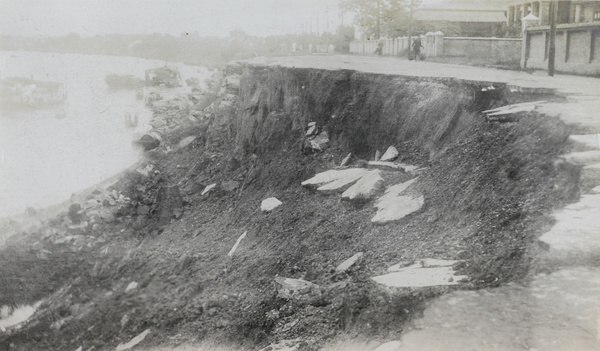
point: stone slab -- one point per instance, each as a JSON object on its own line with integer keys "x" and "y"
{"x": 365, "y": 188}
{"x": 331, "y": 175}
{"x": 418, "y": 277}
{"x": 397, "y": 208}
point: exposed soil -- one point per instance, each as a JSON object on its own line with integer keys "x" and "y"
{"x": 488, "y": 188}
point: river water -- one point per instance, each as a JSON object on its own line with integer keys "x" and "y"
{"x": 45, "y": 158}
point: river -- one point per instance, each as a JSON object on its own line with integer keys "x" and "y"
{"x": 47, "y": 154}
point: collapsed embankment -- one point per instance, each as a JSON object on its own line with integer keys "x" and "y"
{"x": 488, "y": 188}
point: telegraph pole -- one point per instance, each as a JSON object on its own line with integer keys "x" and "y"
{"x": 552, "y": 41}
{"x": 410, "y": 23}
{"x": 378, "y": 35}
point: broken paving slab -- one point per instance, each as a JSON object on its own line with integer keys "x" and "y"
{"x": 418, "y": 275}
{"x": 365, "y": 188}
{"x": 397, "y": 208}
{"x": 331, "y": 175}
{"x": 349, "y": 262}
{"x": 397, "y": 189}
{"x": 393, "y": 165}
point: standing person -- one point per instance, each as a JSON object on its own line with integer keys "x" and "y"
{"x": 379, "y": 50}
{"x": 416, "y": 46}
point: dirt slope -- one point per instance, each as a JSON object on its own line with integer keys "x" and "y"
{"x": 488, "y": 189}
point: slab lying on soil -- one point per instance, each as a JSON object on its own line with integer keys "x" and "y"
{"x": 365, "y": 188}
{"x": 416, "y": 276}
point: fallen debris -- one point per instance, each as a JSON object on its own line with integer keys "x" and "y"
{"x": 138, "y": 339}
{"x": 386, "y": 164}
{"x": 365, "y": 188}
{"x": 131, "y": 286}
{"x": 320, "y": 142}
{"x": 237, "y": 243}
{"x": 186, "y": 141}
{"x": 390, "y": 154}
{"x": 344, "y": 266}
{"x": 346, "y": 160}
{"x": 208, "y": 188}
{"x": 268, "y": 205}
{"x": 292, "y": 288}
{"x": 423, "y": 273}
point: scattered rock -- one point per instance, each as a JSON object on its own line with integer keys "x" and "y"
{"x": 151, "y": 140}
{"x": 230, "y": 185}
{"x": 132, "y": 286}
{"x": 292, "y": 288}
{"x": 186, "y": 141}
{"x": 269, "y": 204}
{"x": 208, "y": 188}
{"x": 320, "y": 142}
{"x": 237, "y": 243}
{"x": 133, "y": 341}
{"x": 365, "y": 188}
{"x": 168, "y": 200}
{"x": 346, "y": 160}
{"x": 311, "y": 130}
{"x": 390, "y": 154}
{"x": 312, "y": 124}
{"x": 349, "y": 262}
{"x": 124, "y": 320}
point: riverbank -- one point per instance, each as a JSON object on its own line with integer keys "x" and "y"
{"x": 154, "y": 254}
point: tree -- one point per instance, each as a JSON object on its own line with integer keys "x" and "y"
{"x": 379, "y": 18}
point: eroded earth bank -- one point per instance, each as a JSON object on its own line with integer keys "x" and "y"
{"x": 152, "y": 255}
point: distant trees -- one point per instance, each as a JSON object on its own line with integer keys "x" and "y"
{"x": 378, "y": 18}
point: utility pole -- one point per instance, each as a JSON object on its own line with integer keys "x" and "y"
{"x": 410, "y": 23}
{"x": 378, "y": 33}
{"x": 552, "y": 41}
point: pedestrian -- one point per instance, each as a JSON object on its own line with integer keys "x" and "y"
{"x": 416, "y": 46}
{"x": 379, "y": 50}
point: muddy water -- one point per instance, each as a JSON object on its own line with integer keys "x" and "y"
{"x": 45, "y": 158}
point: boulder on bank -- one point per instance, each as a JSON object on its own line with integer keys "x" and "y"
{"x": 390, "y": 154}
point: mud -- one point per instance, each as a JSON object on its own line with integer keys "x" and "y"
{"x": 488, "y": 188}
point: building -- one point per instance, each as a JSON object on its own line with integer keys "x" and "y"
{"x": 577, "y": 40}
{"x": 465, "y": 18}
{"x": 568, "y": 11}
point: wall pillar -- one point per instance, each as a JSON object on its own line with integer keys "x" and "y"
{"x": 510, "y": 16}
{"x": 577, "y": 13}
{"x": 439, "y": 43}
{"x": 544, "y": 13}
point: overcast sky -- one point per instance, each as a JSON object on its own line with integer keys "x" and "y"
{"x": 208, "y": 17}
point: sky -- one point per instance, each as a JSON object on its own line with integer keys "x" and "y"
{"x": 208, "y": 17}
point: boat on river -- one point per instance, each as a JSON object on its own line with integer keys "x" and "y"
{"x": 25, "y": 92}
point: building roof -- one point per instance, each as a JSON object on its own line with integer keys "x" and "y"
{"x": 460, "y": 15}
